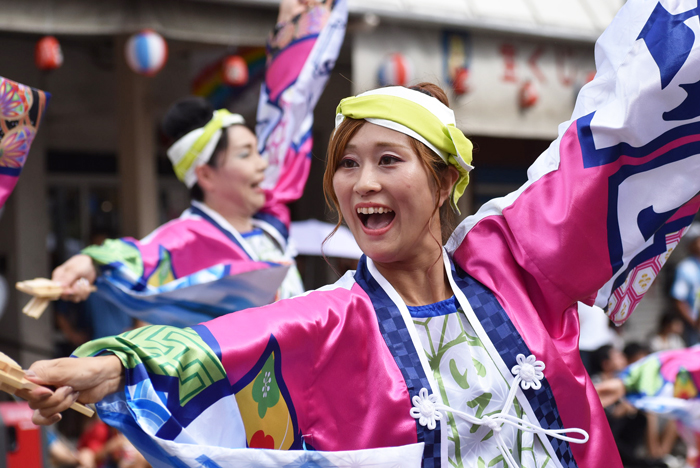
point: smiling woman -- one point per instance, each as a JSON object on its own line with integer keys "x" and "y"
{"x": 391, "y": 190}
{"x": 436, "y": 168}
{"x": 465, "y": 355}
{"x": 237, "y": 228}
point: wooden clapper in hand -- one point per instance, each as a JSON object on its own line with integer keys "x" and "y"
{"x": 12, "y": 379}
{"x": 44, "y": 291}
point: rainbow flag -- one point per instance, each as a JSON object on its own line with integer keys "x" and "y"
{"x": 210, "y": 84}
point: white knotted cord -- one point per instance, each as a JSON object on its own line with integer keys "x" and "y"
{"x": 528, "y": 374}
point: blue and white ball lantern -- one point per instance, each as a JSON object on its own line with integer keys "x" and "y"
{"x": 146, "y": 52}
{"x": 395, "y": 70}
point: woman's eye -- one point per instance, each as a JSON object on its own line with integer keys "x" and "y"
{"x": 244, "y": 154}
{"x": 347, "y": 163}
{"x": 384, "y": 160}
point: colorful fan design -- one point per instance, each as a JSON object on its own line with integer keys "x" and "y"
{"x": 21, "y": 111}
{"x": 15, "y": 100}
{"x": 14, "y": 147}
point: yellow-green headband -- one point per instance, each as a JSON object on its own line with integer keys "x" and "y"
{"x": 197, "y": 147}
{"x": 419, "y": 116}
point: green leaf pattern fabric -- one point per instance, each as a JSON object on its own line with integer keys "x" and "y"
{"x": 266, "y": 392}
{"x": 469, "y": 380}
{"x": 163, "y": 350}
{"x": 117, "y": 252}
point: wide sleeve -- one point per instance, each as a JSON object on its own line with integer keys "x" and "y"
{"x": 175, "y": 386}
{"x": 185, "y": 272}
{"x": 609, "y": 200}
{"x": 301, "y": 56}
{"x": 203, "y": 396}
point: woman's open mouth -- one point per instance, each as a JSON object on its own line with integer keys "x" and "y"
{"x": 375, "y": 218}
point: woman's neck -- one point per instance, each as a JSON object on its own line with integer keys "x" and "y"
{"x": 240, "y": 222}
{"x": 423, "y": 281}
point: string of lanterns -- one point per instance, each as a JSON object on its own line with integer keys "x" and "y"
{"x": 146, "y": 53}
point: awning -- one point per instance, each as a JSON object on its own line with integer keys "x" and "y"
{"x": 577, "y": 20}
{"x": 247, "y": 21}
{"x": 208, "y": 22}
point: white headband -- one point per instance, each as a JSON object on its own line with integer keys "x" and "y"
{"x": 438, "y": 109}
{"x": 197, "y": 147}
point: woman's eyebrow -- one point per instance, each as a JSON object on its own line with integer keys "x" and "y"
{"x": 381, "y": 144}
{"x": 246, "y": 146}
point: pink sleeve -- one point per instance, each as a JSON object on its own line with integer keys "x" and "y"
{"x": 302, "y": 54}
{"x": 609, "y": 200}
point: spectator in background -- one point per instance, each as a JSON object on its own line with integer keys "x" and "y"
{"x": 634, "y": 351}
{"x": 669, "y": 335}
{"x": 628, "y": 425}
{"x": 686, "y": 287}
{"x": 606, "y": 363}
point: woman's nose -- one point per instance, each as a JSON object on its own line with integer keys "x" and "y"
{"x": 367, "y": 181}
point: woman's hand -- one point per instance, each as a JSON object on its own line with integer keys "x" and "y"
{"x": 76, "y": 275}
{"x": 87, "y": 380}
{"x": 610, "y": 391}
{"x": 290, "y": 8}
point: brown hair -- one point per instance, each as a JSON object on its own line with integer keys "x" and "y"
{"x": 435, "y": 166}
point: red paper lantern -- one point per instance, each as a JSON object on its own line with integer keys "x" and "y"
{"x": 460, "y": 83}
{"x": 528, "y": 95}
{"x": 47, "y": 54}
{"x": 235, "y": 71}
{"x": 395, "y": 70}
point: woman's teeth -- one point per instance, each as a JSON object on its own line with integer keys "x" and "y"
{"x": 371, "y": 210}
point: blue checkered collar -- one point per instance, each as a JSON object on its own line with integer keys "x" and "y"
{"x": 493, "y": 327}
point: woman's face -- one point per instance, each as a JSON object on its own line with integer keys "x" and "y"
{"x": 240, "y": 170}
{"x": 386, "y": 196}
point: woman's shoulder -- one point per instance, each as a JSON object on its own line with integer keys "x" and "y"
{"x": 342, "y": 288}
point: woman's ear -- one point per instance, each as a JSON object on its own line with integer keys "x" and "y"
{"x": 205, "y": 177}
{"x": 449, "y": 178}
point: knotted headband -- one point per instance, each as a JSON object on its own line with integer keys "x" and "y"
{"x": 419, "y": 116}
{"x": 197, "y": 147}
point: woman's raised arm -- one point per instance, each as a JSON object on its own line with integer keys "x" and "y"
{"x": 605, "y": 205}
{"x": 302, "y": 52}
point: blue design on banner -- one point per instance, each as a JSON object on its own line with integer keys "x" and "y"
{"x": 669, "y": 41}
{"x": 689, "y": 108}
{"x": 649, "y": 222}
{"x": 207, "y": 462}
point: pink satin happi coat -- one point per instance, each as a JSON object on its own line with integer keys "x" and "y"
{"x": 602, "y": 209}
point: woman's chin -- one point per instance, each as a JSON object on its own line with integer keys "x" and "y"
{"x": 379, "y": 253}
